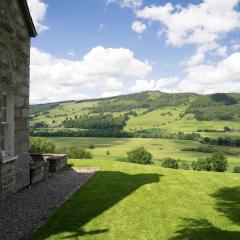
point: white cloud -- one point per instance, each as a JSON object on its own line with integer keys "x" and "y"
{"x": 127, "y": 3}
{"x": 139, "y": 27}
{"x": 100, "y": 70}
{"x": 163, "y": 84}
{"x": 71, "y": 52}
{"x": 38, "y": 11}
{"x": 196, "y": 59}
{"x": 195, "y": 24}
{"x": 220, "y": 51}
{"x": 200, "y": 55}
{"x": 111, "y": 94}
{"x": 222, "y": 77}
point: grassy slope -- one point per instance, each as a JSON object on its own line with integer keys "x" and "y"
{"x": 129, "y": 201}
{"x": 154, "y": 118}
{"x": 160, "y": 148}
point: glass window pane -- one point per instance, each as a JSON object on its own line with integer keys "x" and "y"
{"x": 4, "y": 115}
{"x": 4, "y": 102}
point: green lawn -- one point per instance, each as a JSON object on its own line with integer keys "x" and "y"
{"x": 126, "y": 201}
{"x": 160, "y": 148}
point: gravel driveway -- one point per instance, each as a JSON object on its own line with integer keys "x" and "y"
{"x": 27, "y": 209}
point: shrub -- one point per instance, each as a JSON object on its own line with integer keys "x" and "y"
{"x": 236, "y": 169}
{"x": 91, "y": 146}
{"x": 202, "y": 164}
{"x": 76, "y": 153}
{"x": 170, "y": 163}
{"x": 41, "y": 145}
{"x": 140, "y": 155}
{"x": 219, "y": 162}
{"x": 185, "y": 166}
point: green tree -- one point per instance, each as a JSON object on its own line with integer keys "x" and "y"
{"x": 170, "y": 163}
{"x": 140, "y": 155}
{"x": 219, "y": 162}
{"x": 202, "y": 164}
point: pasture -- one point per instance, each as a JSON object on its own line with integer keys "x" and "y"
{"x": 131, "y": 201}
{"x": 159, "y": 148}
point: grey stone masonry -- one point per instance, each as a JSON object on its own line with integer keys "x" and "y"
{"x": 14, "y": 78}
{"x": 7, "y": 179}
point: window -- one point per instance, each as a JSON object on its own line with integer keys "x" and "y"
{"x": 7, "y": 125}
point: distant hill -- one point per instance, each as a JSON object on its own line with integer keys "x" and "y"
{"x": 151, "y": 109}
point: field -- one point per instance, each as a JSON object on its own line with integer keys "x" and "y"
{"x": 126, "y": 201}
{"x": 160, "y": 148}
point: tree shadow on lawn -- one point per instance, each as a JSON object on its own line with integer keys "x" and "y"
{"x": 102, "y": 192}
{"x": 228, "y": 204}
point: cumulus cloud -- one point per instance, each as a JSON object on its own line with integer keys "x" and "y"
{"x": 139, "y": 27}
{"x": 194, "y": 24}
{"x": 164, "y": 84}
{"x": 100, "y": 70}
{"x": 213, "y": 49}
{"x": 38, "y": 11}
{"x": 222, "y": 77}
{"x": 127, "y": 3}
{"x": 202, "y": 78}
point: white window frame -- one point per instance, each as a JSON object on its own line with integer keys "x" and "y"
{"x": 7, "y": 125}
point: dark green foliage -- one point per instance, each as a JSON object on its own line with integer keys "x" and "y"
{"x": 223, "y": 141}
{"x": 204, "y": 149}
{"x": 41, "y": 145}
{"x": 218, "y": 106}
{"x": 158, "y": 133}
{"x": 108, "y": 153}
{"x": 210, "y": 149}
{"x": 219, "y": 162}
{"x": 101, "y": 121}
{"x": 91, "y": 146}
{"x": 184, "y": 166}
{"x": 40, "y": 125}
{"x": 140, "y": 155}
{"x": 236, "y": 169}
{"x": 170, "y": 163}
{"x": 61, "y": 132}
{"x": 77, "y": 153}
{"x": 202, "y": 164}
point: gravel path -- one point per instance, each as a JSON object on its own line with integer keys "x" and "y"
{"x": 27, "y": 209}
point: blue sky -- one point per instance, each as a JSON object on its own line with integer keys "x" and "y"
{"x": 99, "y": 48}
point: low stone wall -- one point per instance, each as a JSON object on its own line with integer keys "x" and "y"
{"x": 42, "y": 164}
{"x": 39, "y": 171}
{"x": 8, "y": 175}
{"x": 57, "y": 162}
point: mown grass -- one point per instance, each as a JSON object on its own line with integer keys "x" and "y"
{"x": 159, "y": 148}
{"x": 130, "y": 201}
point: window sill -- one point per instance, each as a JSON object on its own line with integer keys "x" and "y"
{"x": 8, "y": 159}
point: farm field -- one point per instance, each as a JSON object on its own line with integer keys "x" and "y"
{"x": 131, "y": 201}
{"x": 159, "y": 148}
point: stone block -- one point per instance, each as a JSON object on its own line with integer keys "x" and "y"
{"x": 39, "y": 171}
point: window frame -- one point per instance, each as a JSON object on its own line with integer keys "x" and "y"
{"x": 8, "y": 126}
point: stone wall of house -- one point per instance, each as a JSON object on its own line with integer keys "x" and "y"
{"x": 14, "y": 78}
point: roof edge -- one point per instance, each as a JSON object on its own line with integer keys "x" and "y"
{"x": 28, "y": 18}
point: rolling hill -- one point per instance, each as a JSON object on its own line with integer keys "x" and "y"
{"x": 187, "y": 112}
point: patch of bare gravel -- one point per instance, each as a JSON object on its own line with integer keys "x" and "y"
{"x": 22, "y": 213}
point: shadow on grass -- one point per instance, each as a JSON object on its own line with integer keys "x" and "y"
{"x": 228, "y": 204}
{"x": 102, "y": 192}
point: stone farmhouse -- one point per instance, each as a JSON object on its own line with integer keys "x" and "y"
{"x": 16, "y": 165}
